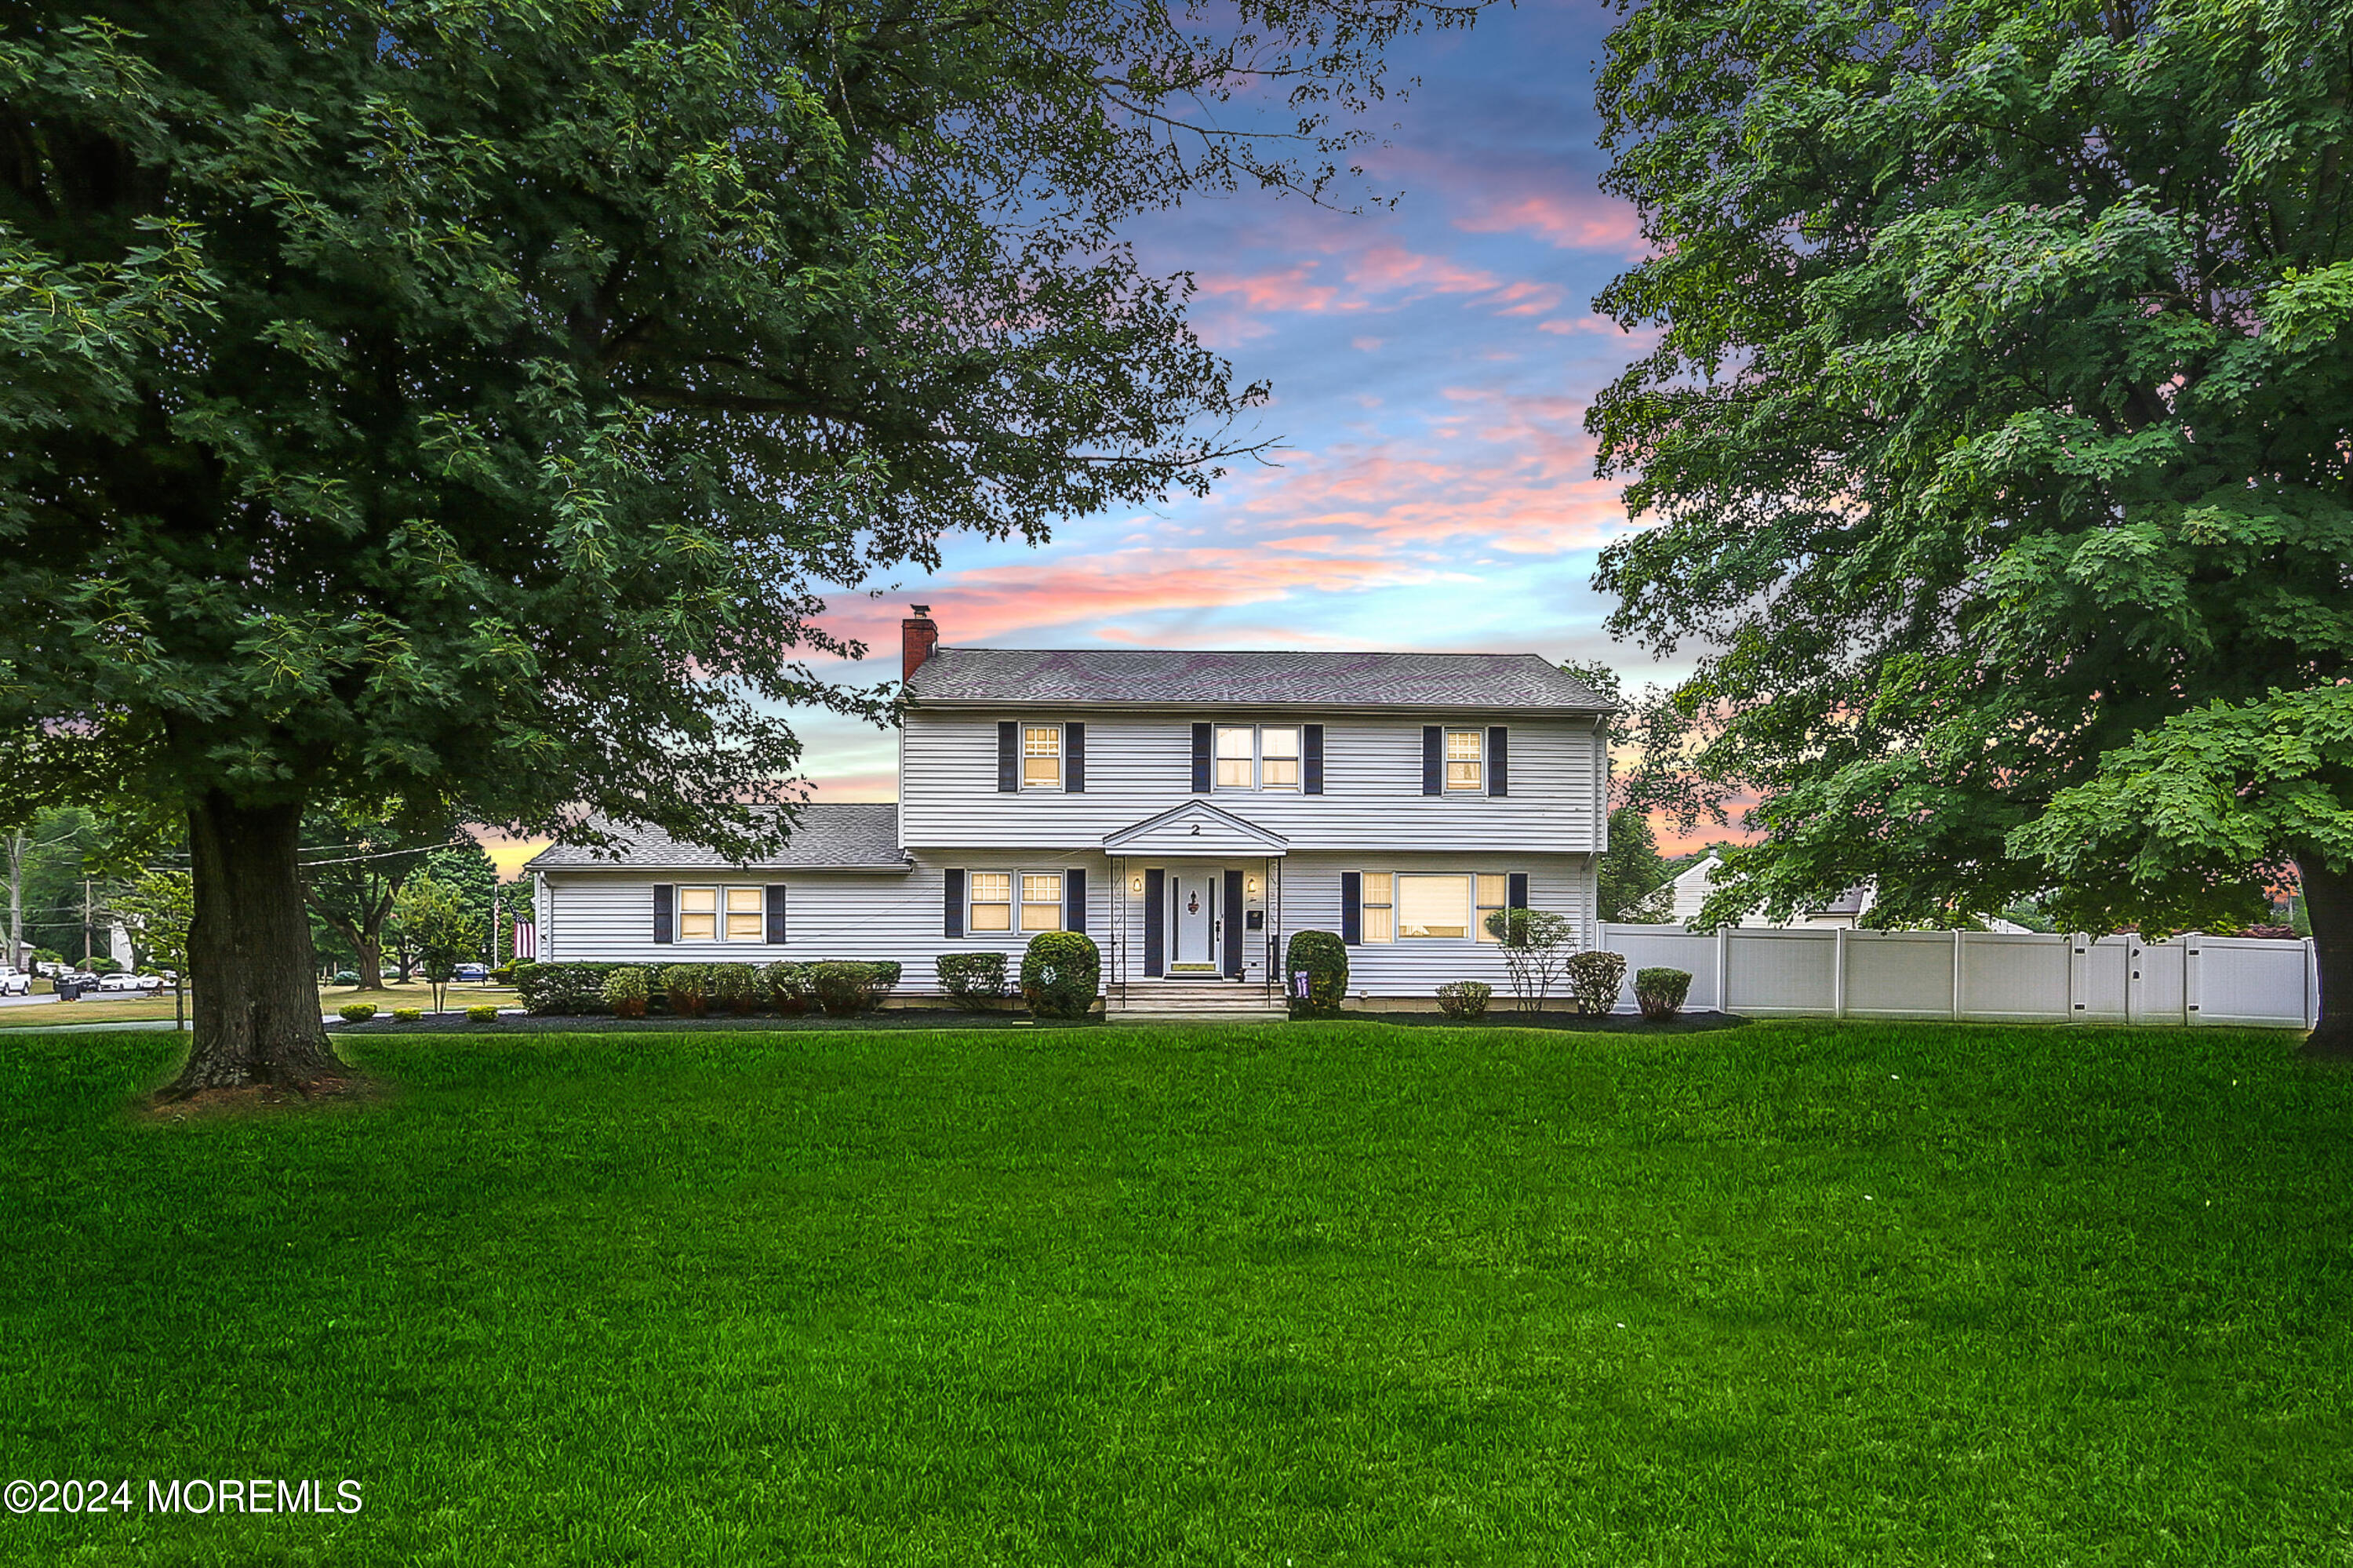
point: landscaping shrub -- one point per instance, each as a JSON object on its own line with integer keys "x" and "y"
{"x": 1594, "y": 978}
{"x": 1315, "y": 974}
{"x": 845, "y": 988}
{"x": 356, "y": 1012}
{"x": 789, "y": 988}
{"x": 406, "y": 1014}
{"x": 1660, "y": 993}
{"x": 1535, "y": 951}
{"x": 504, "y": 974}
{"x": 687, "y": 988}
{"x": 735, "y": 987}
{"x": 625, "y": 992}
{"x": 1464, "y": 999}
{"x": 972, "y": 977}
{"x": 482, "y": 1012}
{"x": 1061, "y": 973}
{"x": 562, "y": 989}
{"x": 347, "y": 977}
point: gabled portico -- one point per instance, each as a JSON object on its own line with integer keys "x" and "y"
{"x": 1197, "y": 895}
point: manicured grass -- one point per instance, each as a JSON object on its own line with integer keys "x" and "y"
{"x": 97, "y": 1008}
{"x": 1804, "y": 1294}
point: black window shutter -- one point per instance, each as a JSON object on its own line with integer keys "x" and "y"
{"x": 1008, "y": 757}
{"x": 951, "y": 924}
{"x": 664, "y": 896}
{"x": 1231, "y": 913}
{"x": 775, "y": 912}
{"x": 1075, "y": 900}
{"x": 1200, "y": 760}
{"x": 1433, "y": 759}
{"x": 1499, "y": 759}
{"x": 1155, "y": 912}
{"x": 1352, "y": 907}
{"x": 1074, "y": 761}
{"x": 1312, "y": 770}
{"x": 1517, "y": 899}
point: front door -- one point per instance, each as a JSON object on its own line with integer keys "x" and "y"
{"x": 1194, "y": 895}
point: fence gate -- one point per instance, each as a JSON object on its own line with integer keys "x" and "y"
{"x": 2159, "y": 981}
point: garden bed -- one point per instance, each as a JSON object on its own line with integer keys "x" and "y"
{"x": 572, "y": 1023}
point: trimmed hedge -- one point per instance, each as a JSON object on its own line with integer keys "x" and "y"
{"x": 1594, "y": 978}
{"x": 1061, "y": 972}
{"x": 356, "y": 1011}
{"x": 1320, "y": 960}
{"x": 482, "y": 1012}
{"x": 845, "y": 988}
{"x": 626, "y": 992}
{"x": 972, "y": 977}
{"x": 789, "y": 988}
{"x": 407, "y": 1014}
{"x": 1660, "y": 993}
{"x": 735, "y": 987}
{"x": 1464, "y": 999}
{"x": 565, "y": 990}
{"x": 687, "y": 988}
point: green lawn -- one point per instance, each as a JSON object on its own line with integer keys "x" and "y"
{"x": 1310, "y": 1294}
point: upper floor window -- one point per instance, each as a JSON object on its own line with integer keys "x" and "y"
{"x": 1237, "y": 756}
{"x": 1278, "y": 752}
{"x": 1466, "y": 769}
{"x": 1250, "y": 757}
{"x": 1041, "y": 756}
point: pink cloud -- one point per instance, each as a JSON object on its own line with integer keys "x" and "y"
{"x": 1286, "y": 290}
{"x": 1388, "y": 268}
{"x": 1568, "y": 222}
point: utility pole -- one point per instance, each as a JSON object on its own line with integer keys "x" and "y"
{"x": 89, "y": 932}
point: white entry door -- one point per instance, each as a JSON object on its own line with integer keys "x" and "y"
{"x": 1194, "y": 894}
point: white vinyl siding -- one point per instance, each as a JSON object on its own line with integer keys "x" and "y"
{"x": 1138, "y": 765}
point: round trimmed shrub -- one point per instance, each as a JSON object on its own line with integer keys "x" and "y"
{"x": 482, "y": 1013}
{"x": 407, "y": 1014}
{"x": 1061, "y": 973}
{"x": 1464, "y": 999}
{"x": 1660, "y": 993}
{"x": 1594, "y": 978}
{"x": 356, "y": 1011}
{"x": 625, "y": 992}
{"x": 735, "y": 987}
{"x": 1315, "y": 974}
{"x": 687, "y": 988}
{"x": 347, "y": 977}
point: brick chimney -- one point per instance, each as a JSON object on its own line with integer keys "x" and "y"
{"x": 918, "y": 635}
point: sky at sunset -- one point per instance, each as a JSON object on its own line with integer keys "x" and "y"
{"x": 1431, "y": 365}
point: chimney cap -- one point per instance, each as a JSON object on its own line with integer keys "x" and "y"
{"x": 923, "y": 610}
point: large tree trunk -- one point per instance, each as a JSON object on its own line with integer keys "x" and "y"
{"x": 255, "y": 1005}
{"x": 2328, "y": 901}
{"x": 370, "y": 948}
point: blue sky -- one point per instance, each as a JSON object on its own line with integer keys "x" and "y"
{"x": 1432, "y": 366}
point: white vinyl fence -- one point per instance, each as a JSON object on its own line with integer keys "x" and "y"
{"x": 1983, "y": 976}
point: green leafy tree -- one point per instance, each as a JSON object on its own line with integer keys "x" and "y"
{"x": 435, "y": 919}
{"x": 354, "y": 866}
{"x": 466, "y": 405}
{"x": 1631, "y": 868}
{"x": 1997, "y": 424}
{"x": 159, "y": 907}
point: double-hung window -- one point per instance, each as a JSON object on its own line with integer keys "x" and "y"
{"x": 698, "y": 914}
{"x": 1237, "y": 756}
{"x": 1466, "y": 771}
{"x": 1379, "y": 907}
{"x": 1278, "y": 751}
{"x": 1488, "y": 899}
{"x": 995, "y": 896}
{"x": 1041, "y": 901}
{"x": 992, "y": 901}
{"x": 1041, "y": 756}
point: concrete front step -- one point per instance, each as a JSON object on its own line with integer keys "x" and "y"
{"x": 1195, "y": 999}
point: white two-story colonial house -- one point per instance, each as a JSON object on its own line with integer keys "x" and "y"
{"x": 1188, "y": 810}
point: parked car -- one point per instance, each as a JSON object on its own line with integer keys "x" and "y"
{"x": 479, "y": 974}
{"x": 14, "y": 982}
{"x": 130, "y": 982}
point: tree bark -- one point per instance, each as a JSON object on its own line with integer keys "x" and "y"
{"x": 2328, "y": 901}
{"x": 256, "y": 1008}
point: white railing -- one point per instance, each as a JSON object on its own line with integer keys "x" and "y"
{"x": 1981, "y": 976}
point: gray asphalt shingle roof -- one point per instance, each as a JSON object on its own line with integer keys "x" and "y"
{"x": 1279, "y": 679}
{"x": 839, "y": 834}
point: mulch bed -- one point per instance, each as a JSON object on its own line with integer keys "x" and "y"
{"x": 600, "y": 1023}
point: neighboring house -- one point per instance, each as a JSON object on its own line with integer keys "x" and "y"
{"x": 1678, "y": 903}
{"x": 1188, "y": 810}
